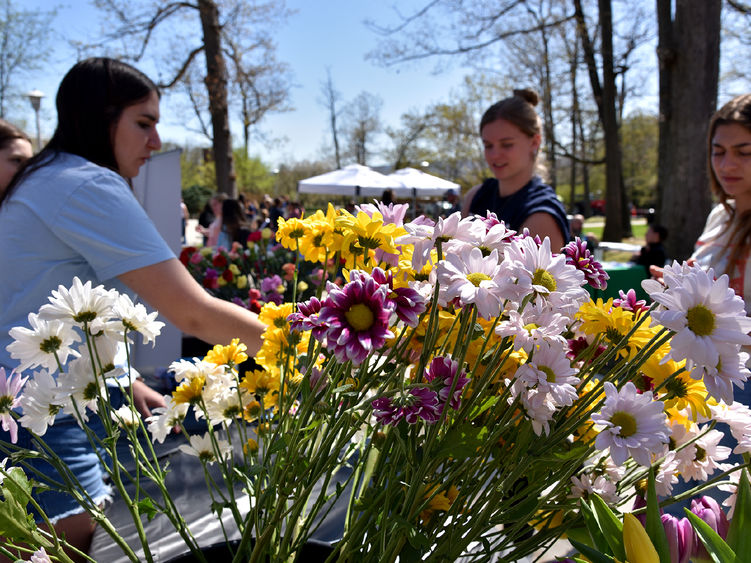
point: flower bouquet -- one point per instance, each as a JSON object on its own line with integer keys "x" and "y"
{"x": 457, "y": 397}
{"x": 249, "y": 276}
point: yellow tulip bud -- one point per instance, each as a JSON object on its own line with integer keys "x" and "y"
{"x": 234, "y": 269}
{"x": 221, "y": 281}
{"x": 302, "y": 286}
{"x": 639, "y": 548}
{"x": 242, "y": 282}
{"x": 266, "y": 233}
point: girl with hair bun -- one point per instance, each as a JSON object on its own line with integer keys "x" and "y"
{"x": 511, "y": 134}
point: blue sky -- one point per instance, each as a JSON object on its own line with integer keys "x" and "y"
{"x": 322, "y": 34}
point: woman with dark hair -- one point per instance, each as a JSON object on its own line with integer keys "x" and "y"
{"x": 511, "y": 134}
{"x": 725, "y": 244}
{"x": 235, "y": 227}
{"x": 15, "y": 149}
{"x": 75, "y": 199}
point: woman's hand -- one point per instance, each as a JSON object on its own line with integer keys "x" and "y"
{"x": 145, "y": 398}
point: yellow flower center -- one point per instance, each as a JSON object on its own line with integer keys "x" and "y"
{"x": 530, "y": 327}
{"x": 360, "y": 317}
{"x": 477, "y": 278}
{"x": 626, "y": 421}
{"x": 700, "y": 320}
{"x": 543, "y": 278}
{"x": 549, "y": 373}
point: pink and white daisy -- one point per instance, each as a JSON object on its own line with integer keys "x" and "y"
{"x": 586, "y": 485}
{"x": 471, "y": 278}
{"x": 357, "y": 316}
{"x": 634, "y": 425}
{"x": 419, "y": 403}
{"x": 420, "y": 236}
{"x": 703, "y": 312}
{"x": 406, "y": 303}
{"x": 445, "y": 371}
{"x": 10, "y": 387}
{"x": 578, "y": 255}
{"x": 730, "y": 370}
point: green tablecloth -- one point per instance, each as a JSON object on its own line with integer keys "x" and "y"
{"x": 623, "y": 276}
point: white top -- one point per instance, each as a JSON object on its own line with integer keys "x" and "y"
{"x": 712, "y": 251}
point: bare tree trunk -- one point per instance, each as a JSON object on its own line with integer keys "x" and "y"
{"x": 605, "y": 95}
{"x": 216, "y": 85}
{"x": 689, "y": 52}
{"x": 547, "y": 101}
{"x": 574, "y": 118}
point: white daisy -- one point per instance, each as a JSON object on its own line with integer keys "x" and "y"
{"x": 80, "y": 304}
{"x": 585, "y": 485}
{"x": 40, "y": 403}
{"x": 730, "y": 370}
{"x": 135, "y": 317}
{"x": 80, "y": 385}
{"x": 125, "y": 416}
{"x": 164, "y": 419}
{"x": 700, "y": 458}
{"x": 471, "y": 278}
{"x": 37, "y": 346}
{"x": 190, "y": 369}
{"x": 538, "y": 405}
{"x": 703, "y": 312}
{"x": 550, "y": 371}
{"x": 420, "y": 236}
{"x": 546, "y": 276}
{"x": 40, "y": 556}
{"x": 634, "y": 424}
{"x": 203, "y": 449}
{"x": 666, "y": 474}
{"x": 533, "y": 325}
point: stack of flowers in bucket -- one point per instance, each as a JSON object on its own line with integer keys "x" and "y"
{"x": 459, "y": 395}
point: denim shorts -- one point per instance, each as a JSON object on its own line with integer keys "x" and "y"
{"x": 70, "y": 442}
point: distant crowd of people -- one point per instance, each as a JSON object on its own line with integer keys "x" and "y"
{"x": 225, "y": 220}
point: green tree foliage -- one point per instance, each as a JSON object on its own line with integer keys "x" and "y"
{"x": 253, "y": 176}
{"x": 639, "y": 138}
{"x": 195, "y": 197}
{"x": 197, "y": 170}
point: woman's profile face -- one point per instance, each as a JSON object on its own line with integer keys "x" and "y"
{"x": 12, "y": 157}
{"x": 731, "y": 160}
{"x": 509, "y": 152}
{"x": 135, "y": 135}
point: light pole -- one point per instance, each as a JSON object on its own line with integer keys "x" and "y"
{"x": 35, "y": 97}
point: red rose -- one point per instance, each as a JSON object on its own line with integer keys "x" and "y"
{"x": 219, "y": 261}
{"x": 254, "y": 306}
{"x": 228, "y": 275}
{"x": 255, "y": 236}
{"x": 186, "y": 253}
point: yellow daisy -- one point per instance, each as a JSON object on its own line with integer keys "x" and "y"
{"x": 290, "y": 232}
{"x": 262, "y": 384}
{"x": 438, "y": 502}
{"x": 231, "y": 355}
{"x": 189, "y": 391}
{"x": 683, "y": 391}
{"x": 275, "y": 316}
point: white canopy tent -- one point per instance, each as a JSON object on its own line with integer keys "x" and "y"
{"x": 420, "y": 184}
{"x": 352, "y": 180}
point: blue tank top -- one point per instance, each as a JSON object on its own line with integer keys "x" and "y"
{"x": 514, "y": 209}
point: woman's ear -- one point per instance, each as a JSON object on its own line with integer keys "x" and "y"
{"x": 536, "y": 141}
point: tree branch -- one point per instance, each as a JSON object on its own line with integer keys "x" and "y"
{"x": 181, "y": 72}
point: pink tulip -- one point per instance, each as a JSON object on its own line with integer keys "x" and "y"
{"x": 680, "y": 536}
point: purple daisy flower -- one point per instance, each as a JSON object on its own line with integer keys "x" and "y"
{"x": 581, "y": 258}
{"x": 445, "y": 371}
{"x": 408, "y": 304}
{"x": 420, "y": 403}
{"x": 269, "y": 287}
{"x": 357, "y": 316}
{"x": 307, "y": 318}
{"x": 628, "y": 302}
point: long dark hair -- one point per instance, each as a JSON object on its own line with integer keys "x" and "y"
{"x": 90, "y": 100}
{"x": 234, "y": 219}
{"x": 737, "y": 110}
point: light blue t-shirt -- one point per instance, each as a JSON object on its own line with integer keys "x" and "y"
{"x": 69, "y": 218}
